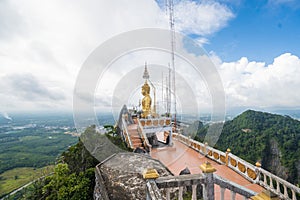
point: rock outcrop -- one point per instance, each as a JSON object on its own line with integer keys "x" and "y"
{"x": 274, "y": 163}
{"x": 121, "y": 176}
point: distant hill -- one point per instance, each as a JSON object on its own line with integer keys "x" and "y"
{"x": 272, "y": 139}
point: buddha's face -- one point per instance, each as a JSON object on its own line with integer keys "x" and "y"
{"x": 145, "y": 90}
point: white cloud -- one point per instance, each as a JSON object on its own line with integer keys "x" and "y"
{"x": 201, "y": 18}
{"x": 29, "y": 88}
{"x": 255, "y": 84}
{"x": 44, "y": 43}
{"x": 26, "y": 92}
{"x": 202, "y": 40}
{"x": 49, "y": 41}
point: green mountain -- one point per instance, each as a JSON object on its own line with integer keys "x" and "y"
{"x": 272, "y": 139}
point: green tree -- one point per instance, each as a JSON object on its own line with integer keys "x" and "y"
{"x": 66, "y": 185}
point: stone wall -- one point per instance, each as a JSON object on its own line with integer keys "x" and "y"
{"x": 100, "y": 192}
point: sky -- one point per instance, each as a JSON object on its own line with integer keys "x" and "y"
{"x": 253, "y": 44}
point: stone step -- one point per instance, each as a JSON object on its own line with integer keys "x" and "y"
{"x": 131, "y": 128}
{"x": 132, "y": 133}
{"x": 135, "y": 140}
{"x": 138, "y": 144}
{"x": 135, "y": 137}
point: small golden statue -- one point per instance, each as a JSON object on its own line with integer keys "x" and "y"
{"x": 146, "y": 101}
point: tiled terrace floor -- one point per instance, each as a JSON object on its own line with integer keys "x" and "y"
{"x": 179, "y": 156}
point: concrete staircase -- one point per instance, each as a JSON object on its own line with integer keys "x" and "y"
{"x": 135, "y": 137}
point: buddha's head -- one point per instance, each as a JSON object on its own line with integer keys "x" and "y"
{"x": 145, "y": 89}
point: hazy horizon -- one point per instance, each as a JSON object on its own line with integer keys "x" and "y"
{"x": 253, "y": 45}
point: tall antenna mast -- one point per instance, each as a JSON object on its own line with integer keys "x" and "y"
{"x": 170, "y": 8}
{"x": 169, "y": 91}
{"x": 167, "y": 96}
{"x": 162, "y": 91}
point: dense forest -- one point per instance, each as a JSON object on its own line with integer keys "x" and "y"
{"x": 273, "y": 140}
{"x": 32, "y": 147}
{"x": 73, "y": 178}
{"x": 74, "y": 173}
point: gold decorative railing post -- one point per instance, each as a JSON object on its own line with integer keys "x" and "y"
{"x": 205, "y": 148}
{"x": 257, "y": 164}
{"x": 227, "y": 156}
{"x": 265, "y": 195}
{"x": 152, "y": 191}
{"x": 150, "y": 174}
{"x": 257, "y": 170}
{"x": 208, "y": 187}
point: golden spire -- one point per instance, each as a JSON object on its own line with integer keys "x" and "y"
{"x": 146, "y": 73}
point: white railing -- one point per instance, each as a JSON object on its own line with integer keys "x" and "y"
{"x": 143, "y": 136}
{"x": 278, "y": 186}
{"x": 242, "y": 167}
{"x": 126, "y": 134}
{"x": 233, "y": 188}
{"x": 252, "y": 173}
{"x": 174, "y": 187}
{"x": 216, "y": 155}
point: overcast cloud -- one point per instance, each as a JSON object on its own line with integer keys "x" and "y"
{"x": 44, "y": 43}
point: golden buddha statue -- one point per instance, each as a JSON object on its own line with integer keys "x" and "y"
{"x": 146, "y": 101}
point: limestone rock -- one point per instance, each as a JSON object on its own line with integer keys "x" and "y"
{"x": 123, "y": 175}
